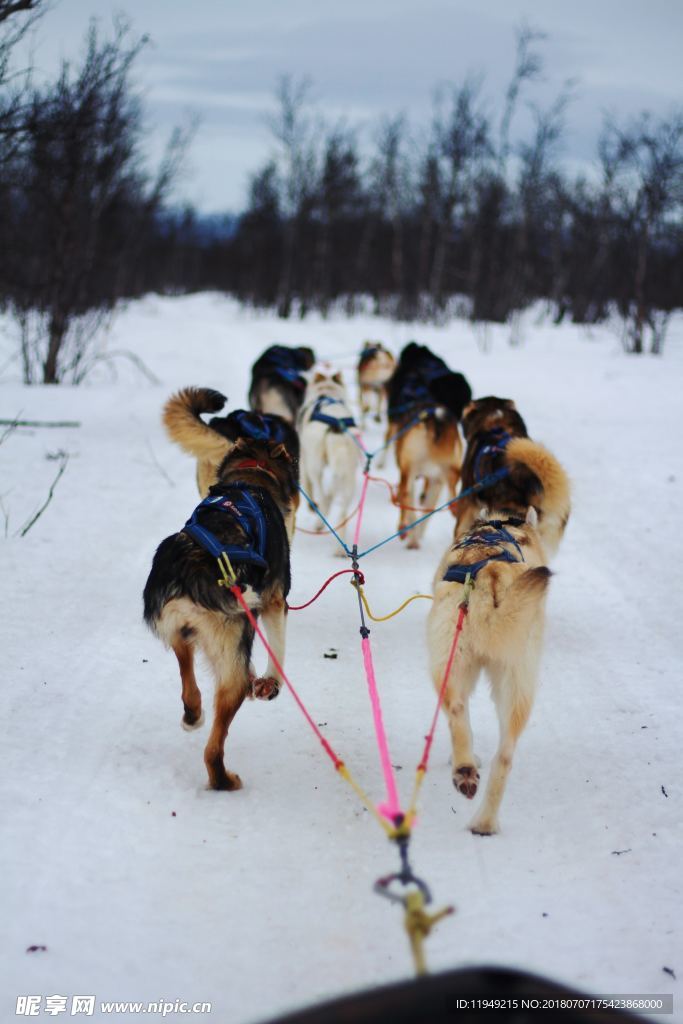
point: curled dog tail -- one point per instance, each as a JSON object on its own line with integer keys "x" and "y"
{"x": 554, "y": 505}
{"x": 181, "y": 418}
{"x": 504, "y": 629}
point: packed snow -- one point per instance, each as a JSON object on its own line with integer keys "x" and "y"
{"x": 144, "y": 885}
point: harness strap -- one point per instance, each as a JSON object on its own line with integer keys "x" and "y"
{"x": 499, "y": 440}
{"x": 336, "y": 423}
{"x": 264, "y": 429}
{"x": 491, "y": 533}
{"x": 245, "y": 510}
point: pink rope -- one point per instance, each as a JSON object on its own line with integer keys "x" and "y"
{"x": 325, "y": 744}
{"x": 442, "y": 691}
{"x": 391, "y": 809}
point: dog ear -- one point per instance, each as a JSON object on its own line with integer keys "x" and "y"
{"x": 337, "y": 377}
{"x": 483, "y": 514}
{"x": 280, "y": 452}
{"x": 531, "y": 516}
{"x": 452, "y": 391}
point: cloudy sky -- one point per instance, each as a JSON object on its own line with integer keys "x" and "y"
{"x": 220, "y": 60}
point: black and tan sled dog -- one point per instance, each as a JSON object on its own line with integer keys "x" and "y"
{"x": 277, "y": 381}
{"x": 505, "y": 555}
{"x": 245, "y": 515}
{"x": 497, "y": 442}
{"x": 426, "y": 400}
{"x": 210, "y": 442}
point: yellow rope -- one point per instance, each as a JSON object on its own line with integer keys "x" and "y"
{"x": 418, "y": 924}
{"x": 365, "y": 799}
{"x": 227, "y": 571}
{"x": 383, "y": 618}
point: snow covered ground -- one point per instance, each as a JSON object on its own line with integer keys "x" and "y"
{"x": 143, "y": 885}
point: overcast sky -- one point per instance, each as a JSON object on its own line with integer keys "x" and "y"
{"x": 220, "y": 60}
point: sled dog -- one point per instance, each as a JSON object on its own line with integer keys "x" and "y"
{"x": 426, "y": 400}
{"x": 497, "y": 442}
{"x": 375, "y": 368}
{"x": 245, "y": 515}
{"x": 277, "y": 381}
{"x": 505, "y": 555}
{"x": 210, "y": 442}
{"x": 329, "y": 455}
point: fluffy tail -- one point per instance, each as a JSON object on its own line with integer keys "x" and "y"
{"x": 503, "y": 629}
{"x": 555, "y": 503}
{"x": 181, "y": 417}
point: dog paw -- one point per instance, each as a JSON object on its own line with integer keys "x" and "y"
{"x": 191, "y": 721}
{"x": 227, "y": 781}
{"x": 484, "y": 827}
{"x": 466, "y": 780}
{"x": 413, "y": 541}
{"x": 265, "y": 688}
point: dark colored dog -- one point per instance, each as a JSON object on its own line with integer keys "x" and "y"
{"x": 247, "y": 512}
{"x": 426, "y": 400}
{"x": 207, "y": 441}
{"x": 493, "y": 432}
{"x": 277, "y": 384}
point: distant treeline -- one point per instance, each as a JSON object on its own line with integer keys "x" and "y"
{"x": 458, "y": 219}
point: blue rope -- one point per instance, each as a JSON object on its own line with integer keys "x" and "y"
{"x": 488, "y": 481}
{"x": 326, "y": 522}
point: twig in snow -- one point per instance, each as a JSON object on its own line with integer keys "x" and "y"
{"x": 39, "y": 423}
{"x": 11, "y": 426}
{"x": 670, "y": 970}
{"x": 618, "y": 853}
{"x": 108, "y": 357}
{"x": 5, "y": 514}
{"x": 665, "y": 793}
{"x": 36, "y": 517}
{"x": 159, "y": 466}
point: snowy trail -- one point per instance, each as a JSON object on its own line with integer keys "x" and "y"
{"x": 145, "y": 886}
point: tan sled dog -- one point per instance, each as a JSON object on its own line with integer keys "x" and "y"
{"x": 375, "y": 369}
{"x": 503, "y": 632}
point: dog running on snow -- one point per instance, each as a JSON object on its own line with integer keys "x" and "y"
{"x": 426, "y": 400}
{"x": 246, "y": 513}
{"x": 210, "y": 442}
{"x": 375, "y": 368}
{"x": 505, "y": 554}
{"x": 329, "y": 455}
{"x": 497, "y": 440}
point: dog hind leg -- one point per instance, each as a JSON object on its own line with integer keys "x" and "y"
{"x": 228, "y": 649}
{"x": 513, "y": 691}
{"x": 267, "y": 687}
{"x": 193, "y": 715}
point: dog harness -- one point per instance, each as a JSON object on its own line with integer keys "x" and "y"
{"x": 239, "y": 503}
{"x": 336, "y": 423}
{"x": 490, "y": 533}
{"x": 497, "y": 441}
{"x": 260, "y": 426}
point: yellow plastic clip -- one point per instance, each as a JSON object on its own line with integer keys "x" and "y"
{"x": 418, "y": 924}
{"x": 227, "y": 572}
{"x": 468, "y": 588}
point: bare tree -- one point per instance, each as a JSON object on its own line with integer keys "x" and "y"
{"x": 81, "y": 202}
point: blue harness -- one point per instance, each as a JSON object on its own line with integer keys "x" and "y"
{"x": 415, "y": 392}
{"x": 245, "y": 510}
{"x": 336, "y": 423}
{"x": 499, "y": 440}
{"x": 458, "y": 572}
{"x": 259, "y": 426}
{"x": 282, "y": 361}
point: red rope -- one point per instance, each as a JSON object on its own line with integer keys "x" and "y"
{"x": 394, "y": 499}
{"x": 342, "y": 572}
{"x": 429, "y": 738}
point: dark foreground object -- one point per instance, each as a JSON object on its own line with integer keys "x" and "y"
{"x": 461, "y": 996}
